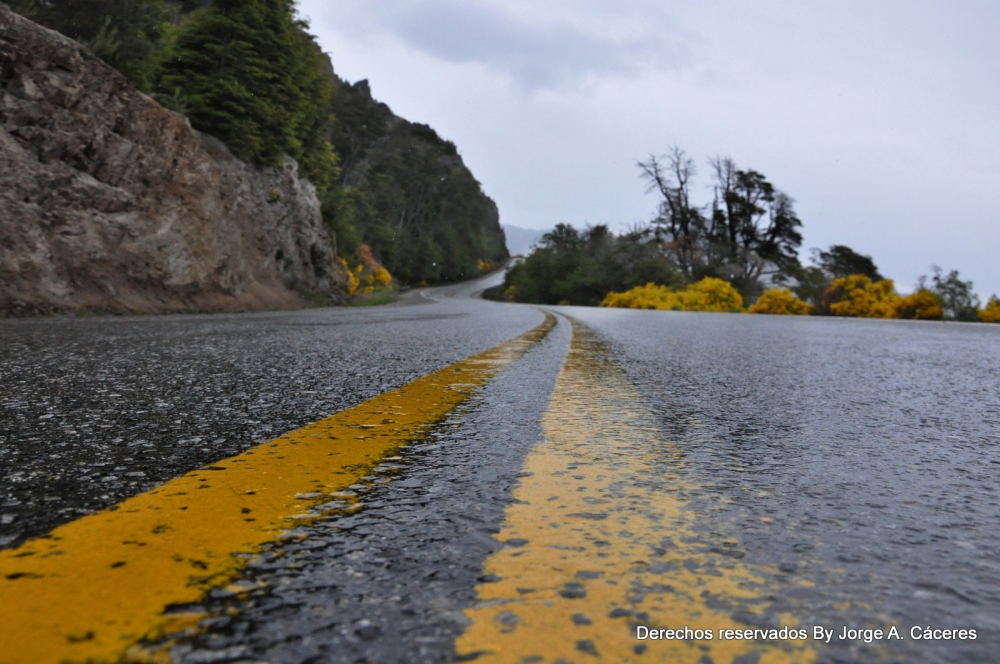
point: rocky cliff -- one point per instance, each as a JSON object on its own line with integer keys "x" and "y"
{"x": 111, "y": 203}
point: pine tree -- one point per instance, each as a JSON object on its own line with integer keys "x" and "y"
{"x": 246, "y": 72}
{"x": 124, "y": 33}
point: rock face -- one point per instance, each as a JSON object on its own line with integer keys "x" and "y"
{"x": 111, "y": 203}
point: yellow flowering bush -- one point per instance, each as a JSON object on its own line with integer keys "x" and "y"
{"x": 649, "y": 296}
{"x": 922, "y": 305}
{"x": 484, "y": 266}
{"x": 369, "y": 272}
{"x": 780, "y": 301}
{"x": 352, "y": 276}
{"x": 709, "y": 294}
{"x": 991, "y": 314}
{"x": 857, "y": 295}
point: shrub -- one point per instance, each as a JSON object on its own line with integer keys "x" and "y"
{"x": 922, "y": 305}
{"x": 991, "y": 314}
{"x": 352, "y": 276}
{"x": 650, "y": 296}
{"x": 709, "y": 294}
{"x": 368, "y": 272}
{"x": 858, "y": 296}
{"x": 780, "y": 301}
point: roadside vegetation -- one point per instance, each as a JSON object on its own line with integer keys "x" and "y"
{"x": 741, "y": 248}
{"x": 249, "y": 73}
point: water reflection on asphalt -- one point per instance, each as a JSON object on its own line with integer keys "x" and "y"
{"x": 850, "y": 465}
{"x": 860, "y": 455}
{"x": 598, "y": 546}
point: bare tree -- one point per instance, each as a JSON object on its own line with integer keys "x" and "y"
{"x": 722, "y": 206}
{"x": 682, "y": 224}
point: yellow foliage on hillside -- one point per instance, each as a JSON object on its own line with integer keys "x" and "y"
{"x": 991, "y": 314}
{"x": 352, "y": 276}
{"x": 709, "y": 294}
{"x": 368, "y": 272}
{"x": 922, "y": 305}
{"x": 484, "y": 266}
{"x": 780, "y": 301}
{"x": 857, "y": 295}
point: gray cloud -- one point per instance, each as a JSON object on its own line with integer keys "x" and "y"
{"x": 538, "y": 54}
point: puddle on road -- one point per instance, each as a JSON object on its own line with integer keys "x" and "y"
{"x": 597, "y": 544}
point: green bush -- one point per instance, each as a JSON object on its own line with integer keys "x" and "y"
{"x": 570, "y": 267}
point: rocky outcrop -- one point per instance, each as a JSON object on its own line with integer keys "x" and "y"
{"x": 111, "y": 203}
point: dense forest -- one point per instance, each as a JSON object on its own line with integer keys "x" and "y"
{"x": 740, "y": 247}
{"x": 249, "y": 73}
{"x": 404, "y": 190}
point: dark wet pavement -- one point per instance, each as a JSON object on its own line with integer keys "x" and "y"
{"x": 389, "y": 582}
{"x": 855, "y": 461}
{"x": 93, "y": 410}
{"x": 860, "y": 456}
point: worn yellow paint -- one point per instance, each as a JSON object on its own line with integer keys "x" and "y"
{"x": 597, "y": 514}
{"x": 93, "y": 587}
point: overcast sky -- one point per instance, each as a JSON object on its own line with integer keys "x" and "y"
{"x": 881, "y": 119}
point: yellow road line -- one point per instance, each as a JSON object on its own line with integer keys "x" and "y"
{"x": 597, "y": 544}
{"x": 93, "y": 587}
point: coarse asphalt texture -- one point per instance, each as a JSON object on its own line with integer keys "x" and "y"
{"x": 389, "y": 582}
{"x": 848, "y": 462}
{"x": 94, "y": 410}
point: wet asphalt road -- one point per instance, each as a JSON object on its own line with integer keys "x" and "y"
{"x": 93, "y": 410}
{"x": 861, "y": 456}
{"x": 856, "y": 460}
{"x": 389, "y": 583}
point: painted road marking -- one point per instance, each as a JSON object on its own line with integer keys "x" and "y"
{"x": 94, "y": 587}
{"x": 597, "y": 543}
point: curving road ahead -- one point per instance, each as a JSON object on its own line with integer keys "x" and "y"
{"x": 453, "y": 479}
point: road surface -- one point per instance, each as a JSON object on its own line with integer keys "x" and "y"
{"x": 449, "y": 479}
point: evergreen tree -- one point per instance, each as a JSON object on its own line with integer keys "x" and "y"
{"x": 126, "y": 34}
{"x": 246, "y": 72}
{"x": 841, "y": 261}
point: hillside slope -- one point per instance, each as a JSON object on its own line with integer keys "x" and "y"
{"x": 111, "y": 203}
{"x": 407, "y": 193}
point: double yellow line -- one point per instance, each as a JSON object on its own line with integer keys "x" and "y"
{"x": 93, "y": 588}
{"x": 597, "y": 543}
